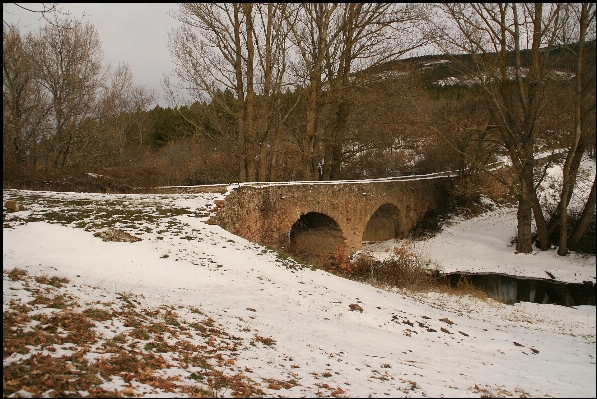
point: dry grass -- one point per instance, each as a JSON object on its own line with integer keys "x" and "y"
{"x": 50, "y": 347}
{"x": 405, "y": 270}
{"x": 489, "y": 392}
{"x": 267, "y": 341}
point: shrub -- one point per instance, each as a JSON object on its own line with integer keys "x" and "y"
{"x": 405, "y": 270}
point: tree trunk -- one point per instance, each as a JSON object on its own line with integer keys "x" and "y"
{"x": 342, "y": 128}
{"x": 585, "y": 218}
{"x": 524, "y": 241}
{"x": 240, "y": 94}
{"x": 251, "y": 139}
{"x": 567, "y": 186}
{"x": 310, "y": 131}
{"x": 267, "y": 112}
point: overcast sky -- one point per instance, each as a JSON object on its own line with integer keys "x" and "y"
{"x": 133, "y": 33}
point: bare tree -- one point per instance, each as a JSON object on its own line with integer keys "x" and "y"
{"x": 25, "y": 106}
{"x": 490, "y": 34}
{"x": 331, "y": 40}
{"x": 370, "y": 34}
{"x": 272, "y": 45}
{"x": 69, "y": 68}
{"x": 314, "y": 31}
{"x": 208, "y": 54}
{"x": 119, "y": 114}
{"x": 240, "y": 48}
{"x": 584, "y": 19}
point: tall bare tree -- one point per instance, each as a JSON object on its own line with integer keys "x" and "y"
{"x": 241, "y": 48}
{"x": 331, "y": 40}
{"x": 69, "y": 68}
{"x": 514, "y": 90}
{"x": 25, "y": 106}
{"x": 272, "y": 45}
{"x": 314, "y": 31}
{"x": 370, "y": 34}
{"x": 208, "y": 53}
{"x": 584, "y": 19}
{"x": 119, "y": 115}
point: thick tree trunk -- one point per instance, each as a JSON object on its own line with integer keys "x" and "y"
{"x": 310, "y": 132}
{"x": 524, "y": 241}
{"x": 250, "y": 122}
{"x": 554, "y": 223}
{"x": 342, "y": 128}
{"x": 240, "y": 117}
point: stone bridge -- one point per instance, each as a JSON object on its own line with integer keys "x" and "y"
{"x": 307, "y": 218}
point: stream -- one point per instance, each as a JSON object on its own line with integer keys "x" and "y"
{"x": 513, "y": 289}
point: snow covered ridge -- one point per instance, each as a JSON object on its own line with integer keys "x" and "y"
{"x": 461, "y": 80}
{"x": 442, "y": 61}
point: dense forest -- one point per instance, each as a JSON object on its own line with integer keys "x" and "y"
{"x": 315, "y": 91}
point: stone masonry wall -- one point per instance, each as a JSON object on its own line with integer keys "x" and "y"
{"x": 265, "y": 214}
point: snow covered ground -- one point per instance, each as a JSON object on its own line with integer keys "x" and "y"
{"x": 263, "y": 324}
{"x": 483, "y": 245}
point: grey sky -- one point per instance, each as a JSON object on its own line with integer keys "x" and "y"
{"x": 133, "y": 33}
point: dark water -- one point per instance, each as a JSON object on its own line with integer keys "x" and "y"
{"x": 512, "y": 289}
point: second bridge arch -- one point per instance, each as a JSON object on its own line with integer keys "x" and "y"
{"x": 384, "y": 224}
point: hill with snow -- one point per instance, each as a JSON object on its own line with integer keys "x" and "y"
{"x": 192, "y": 310}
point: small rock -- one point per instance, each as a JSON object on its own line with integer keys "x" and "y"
{"x": 354, "y": 306}
{"x": 14, "y": 206}
{"x": 116, "y": 235}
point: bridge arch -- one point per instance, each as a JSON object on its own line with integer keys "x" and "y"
{"x": 384, "y": 223}
{"x": 314, "y": 236}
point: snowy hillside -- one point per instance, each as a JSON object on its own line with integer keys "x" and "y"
{"x": 193, "y": 310}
